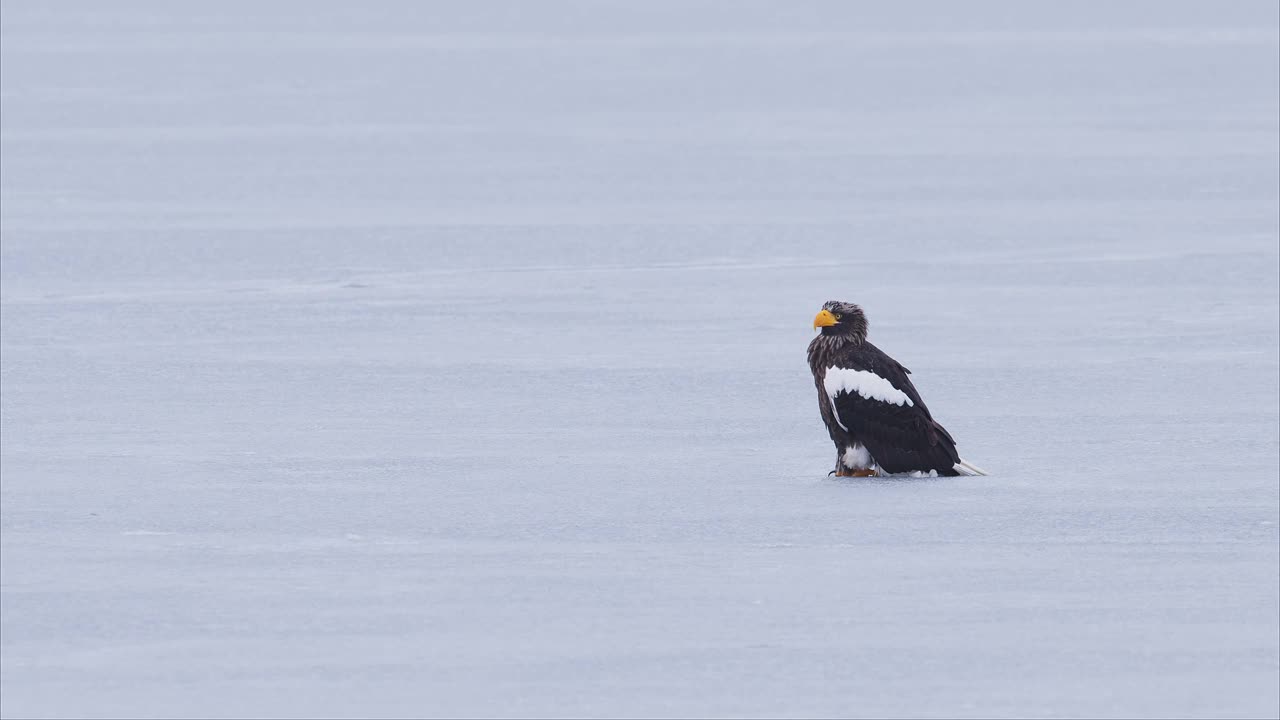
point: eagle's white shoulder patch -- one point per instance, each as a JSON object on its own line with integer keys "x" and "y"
{"x": 865, "y": 383}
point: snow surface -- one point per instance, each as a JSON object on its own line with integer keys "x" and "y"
{"x": 370, "y": 359}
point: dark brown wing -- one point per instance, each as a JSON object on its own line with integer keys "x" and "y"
{"x": 902, "y": 436}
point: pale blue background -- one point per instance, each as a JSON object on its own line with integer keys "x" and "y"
{"x": 448, "y": 358}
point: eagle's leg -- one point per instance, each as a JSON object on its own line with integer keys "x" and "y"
{"x": 842, "y": 471}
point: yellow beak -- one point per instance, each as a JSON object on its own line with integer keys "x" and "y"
{"x": 825, "y": 319}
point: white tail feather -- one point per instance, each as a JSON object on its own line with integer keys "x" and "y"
{"x": 965, "y": 468}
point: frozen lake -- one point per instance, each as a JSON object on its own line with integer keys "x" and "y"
{"x": 449, "y": 358}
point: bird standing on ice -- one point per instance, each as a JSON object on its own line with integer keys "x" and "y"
{"x": 875, "y": 416}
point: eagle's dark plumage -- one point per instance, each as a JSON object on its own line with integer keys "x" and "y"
{"x": 873, "y": 413}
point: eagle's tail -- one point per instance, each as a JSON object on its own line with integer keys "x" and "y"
{"x": 964, "y": 468}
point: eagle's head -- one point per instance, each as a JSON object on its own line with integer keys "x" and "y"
{"x": 841, "y": 319}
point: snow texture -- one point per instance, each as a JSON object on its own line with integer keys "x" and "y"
{"x": 448, "y": 358}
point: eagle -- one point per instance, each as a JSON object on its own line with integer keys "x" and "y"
{"x": 872, "y": 411}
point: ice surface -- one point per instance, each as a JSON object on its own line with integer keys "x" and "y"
{"x": 449, "y": 358}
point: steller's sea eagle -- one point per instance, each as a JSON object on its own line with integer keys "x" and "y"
{"x": 875, "y": 416}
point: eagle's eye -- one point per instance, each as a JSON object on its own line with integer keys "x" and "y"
{"x": 838, "y": 315}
